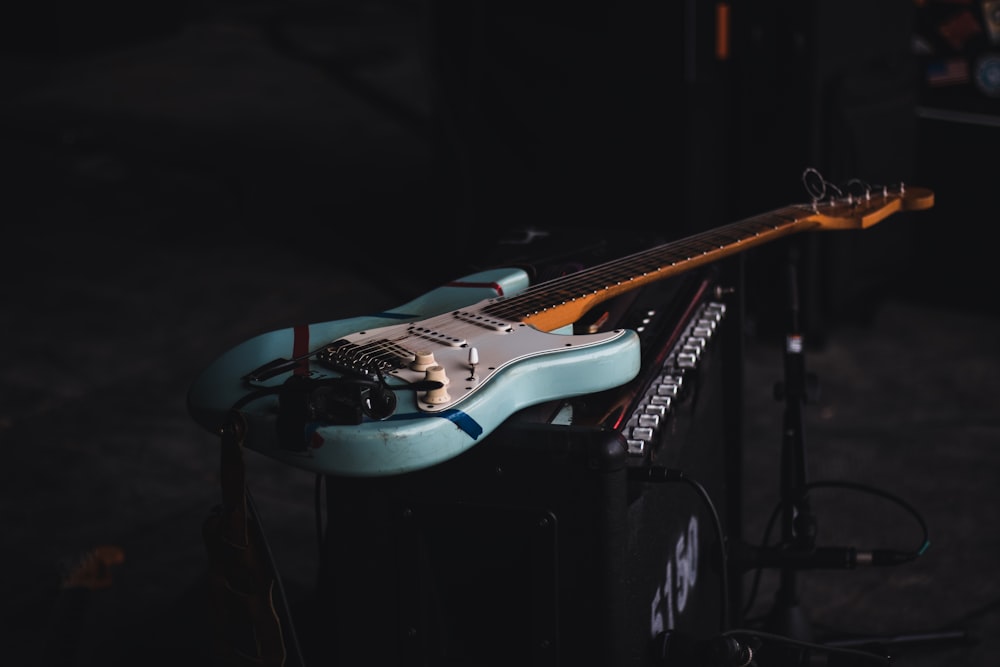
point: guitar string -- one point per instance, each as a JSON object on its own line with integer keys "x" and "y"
{"x": 576, "y": 284}
{"x": 704, "y": 242}
{"x": 603, "y": 277}
{"x": 583, "y": 282}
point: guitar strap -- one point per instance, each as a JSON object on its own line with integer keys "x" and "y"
{"x": 242, "y": 576}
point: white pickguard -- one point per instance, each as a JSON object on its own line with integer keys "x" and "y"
{"x": 449, "y": 339}
{"x": 519, "y": 366}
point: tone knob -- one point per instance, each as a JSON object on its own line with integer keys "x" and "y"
{"x": 423, "y": 360}
{"x": 440, "y": 395}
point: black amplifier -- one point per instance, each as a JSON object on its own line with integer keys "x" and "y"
{"x": 581, "y": 532}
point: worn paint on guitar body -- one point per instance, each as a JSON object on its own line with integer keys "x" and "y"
{"x": 522, "y": 335}
{"x": 518, "y": 367}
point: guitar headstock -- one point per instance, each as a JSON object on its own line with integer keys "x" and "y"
{"x": 861, "y": 212}
{"x": 859, "y": 205}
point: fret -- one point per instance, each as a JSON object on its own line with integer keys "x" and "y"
{"x": 565, "y": 299}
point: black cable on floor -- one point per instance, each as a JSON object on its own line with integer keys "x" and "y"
{"x": 903, "y": 556}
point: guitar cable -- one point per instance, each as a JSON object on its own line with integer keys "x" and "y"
{"x": 740, "y": 654}
{"x": 318, "y": 511}
{"x": 253, "y": 396}
{"x": 729, "y": 648}
{"x": 660, "y": 474}
{"x": 880, "y": 556}
{"x": 288, "y": 633}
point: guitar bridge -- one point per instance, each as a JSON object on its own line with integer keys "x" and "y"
{"x": 369, "y": 360}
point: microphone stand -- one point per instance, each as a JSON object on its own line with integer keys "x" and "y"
{"x": 798, "y": 524}
{"x": 798, "y": 527}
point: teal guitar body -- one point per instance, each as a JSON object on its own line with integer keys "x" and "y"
{"x": 398, "y": 391}
{"x": 517, "y": 366}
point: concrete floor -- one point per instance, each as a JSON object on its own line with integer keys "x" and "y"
{"x": 171, "y": 198}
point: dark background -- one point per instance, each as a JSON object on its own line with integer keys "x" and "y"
{"x": 184, "y": 176}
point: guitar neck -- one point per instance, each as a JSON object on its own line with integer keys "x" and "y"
{"x": 563, "y": 301}
{"x": 558, "y": 303}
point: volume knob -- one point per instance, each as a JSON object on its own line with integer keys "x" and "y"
{"x": 440, "y": 395}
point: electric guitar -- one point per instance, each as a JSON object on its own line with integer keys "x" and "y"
{"x": 399, "y": 391}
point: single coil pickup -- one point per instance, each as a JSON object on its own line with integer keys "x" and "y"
{"x": 436, "y": 336}
{"x": 479, "y": 319}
